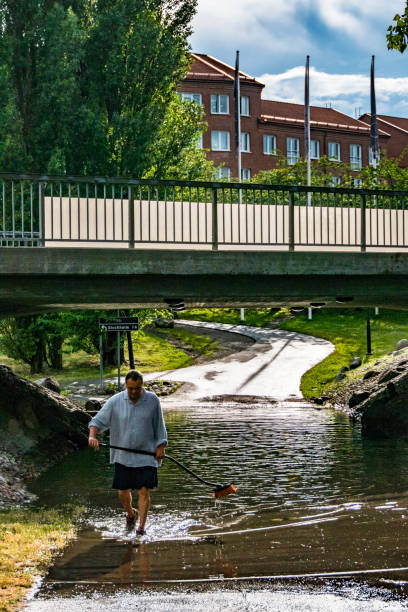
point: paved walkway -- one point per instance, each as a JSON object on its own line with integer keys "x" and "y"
{"x": 271, "y": 367}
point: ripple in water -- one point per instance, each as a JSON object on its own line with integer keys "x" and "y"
{"x": 161, "y": 527}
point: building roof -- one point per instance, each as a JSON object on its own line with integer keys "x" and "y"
{"x": 208, "y": 68}
{"x": 397, "y": 122}
{"x": 286, "y": 112}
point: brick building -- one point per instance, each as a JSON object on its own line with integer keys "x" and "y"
{"x": 397, "y": 128}
{"x": 268, "y": 126}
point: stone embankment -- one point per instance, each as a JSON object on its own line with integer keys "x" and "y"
{"x": 376, "y": 395}
{"x": 37, "y": 428}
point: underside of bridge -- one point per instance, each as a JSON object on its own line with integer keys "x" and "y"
{"x": 36, "y": 280}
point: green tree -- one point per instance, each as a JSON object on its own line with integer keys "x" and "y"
{"x": 388, "y": 174}
{"x": 36, "y": 340}
{"x": 397, "y": 35}
{"x": 86, "y": 87}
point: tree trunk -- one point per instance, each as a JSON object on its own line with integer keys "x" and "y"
{"x": 110, "y": 351}
{"x": 37, "y": 360}
{"x": 55, "y": 352}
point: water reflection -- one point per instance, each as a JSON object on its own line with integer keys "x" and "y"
{"x": 312, "y": 497}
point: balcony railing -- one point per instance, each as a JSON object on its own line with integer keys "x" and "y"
{"x": 113, "y": 212}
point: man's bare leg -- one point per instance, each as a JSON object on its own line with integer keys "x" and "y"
{"x": 126, "y": 501}
{"x": 143, "y": 504}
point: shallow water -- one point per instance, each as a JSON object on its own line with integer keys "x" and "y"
{"x": 313, "y": 498}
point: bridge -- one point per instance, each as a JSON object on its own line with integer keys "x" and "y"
{"x": 90, "y": 242}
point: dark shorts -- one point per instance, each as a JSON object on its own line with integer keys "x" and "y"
{"x": 134, "y": 477}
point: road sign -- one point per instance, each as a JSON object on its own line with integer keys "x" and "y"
{"x": 120, "y": 324}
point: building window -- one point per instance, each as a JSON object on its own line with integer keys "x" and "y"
{"x": 199, "y": 142}
{"x": 245, "y": 106}
{"x": 220, "y": 141}
{"x": 191, "y": 97}
{"x": 219, "y": 104}
{"x": 358, "y": 183}
{"x": 223, "y": 172}
{"x": 245, "y": 174}
{"x": 334, "y": 181}
{"x": 334, "y": 151}
{"x": 269, "y": 145}
{"x": 314, "y": 149}
{"x": 292, "y": 150}
{"x": 355, "y": 156}
{"x": 245, "y": 142}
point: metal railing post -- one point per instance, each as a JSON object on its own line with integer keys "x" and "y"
{"x": 214, "y": 219}
{"x": 131, "y": 214}
{"x": 291, "y": 221}
{"x": 363, "y": 223}
{"x": 41, "y": 214}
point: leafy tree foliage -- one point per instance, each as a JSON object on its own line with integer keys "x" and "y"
{"x": 36, "y": 340}
{"x": 388, "y": 174}
{"x": 88, "y": 87}
{"x": 397, "y": 36}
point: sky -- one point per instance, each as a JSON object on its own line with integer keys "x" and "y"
{"x": 275, "y": 36}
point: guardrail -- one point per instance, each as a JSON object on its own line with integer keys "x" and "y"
{"x": 40, "y": 210}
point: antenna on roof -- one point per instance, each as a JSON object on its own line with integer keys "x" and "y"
{"x": 328, "y": 104}
{"x": 357, "y": 112}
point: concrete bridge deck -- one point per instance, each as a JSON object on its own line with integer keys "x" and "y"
{"x": 45, "y": 279}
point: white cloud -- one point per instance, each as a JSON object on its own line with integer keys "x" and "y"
{"x": 344, "y": 91}
{"x": 250, "y": 24}
{"x": 277, "y": 33}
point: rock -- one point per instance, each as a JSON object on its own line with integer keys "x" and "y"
{"x": 370, "y": 374}
{"x": 401, "y": 344}
{"x": 384, "y": 414}
{"x": 388, "y": 375}
{"x": 164, "y": 323}
{"x": 52, "y": 384}
{"x": 318, "y": 400}
{"x": 355, "y": 363}
{"x": 93, "y": 405}
{"x": 36, "y": 423}
{"x": 342, "y": 373}
{"x": 357, "y": 398}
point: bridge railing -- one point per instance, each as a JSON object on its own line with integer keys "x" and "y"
{"x": 40, "y": 210}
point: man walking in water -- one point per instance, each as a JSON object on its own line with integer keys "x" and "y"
{"x": 135, "y": 420}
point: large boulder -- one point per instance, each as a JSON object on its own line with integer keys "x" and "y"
{"x": 385, "y": 413}
{"x": 35, "y": 423}
{"x": 401, "y": 344}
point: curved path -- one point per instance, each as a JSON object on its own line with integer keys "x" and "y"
{"x": 272, "y": 367}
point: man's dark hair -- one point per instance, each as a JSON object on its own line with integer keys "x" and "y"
{"x": 134, "y": 375}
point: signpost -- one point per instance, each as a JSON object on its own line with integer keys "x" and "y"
{"x": 118, "y": 325}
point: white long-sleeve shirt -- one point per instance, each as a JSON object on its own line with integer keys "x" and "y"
{"x": 137, "y": 425}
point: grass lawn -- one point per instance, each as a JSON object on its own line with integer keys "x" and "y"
{"x": 253, "y": 316}
{"x": 346, "y": 329}
{"x": 151, "y": 354}
{"x": 28, "y": 540}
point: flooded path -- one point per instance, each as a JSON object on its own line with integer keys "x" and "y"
{"x": 313, "y": 499}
